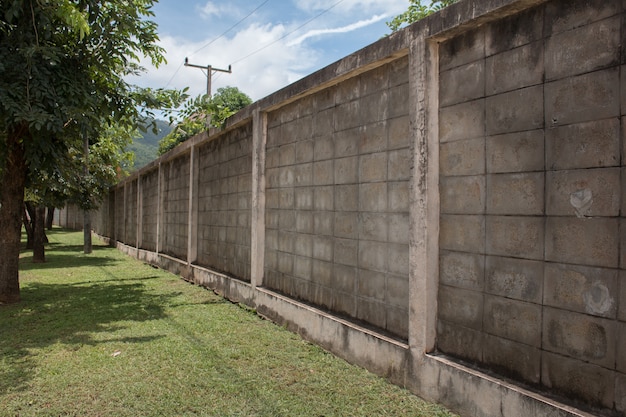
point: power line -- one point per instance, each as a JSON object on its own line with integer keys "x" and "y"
{"x": 219, "y": 37}
{"x": 231, "y": 28}
{"x": 288, "y": 33}
{"x": 174, "y": 75}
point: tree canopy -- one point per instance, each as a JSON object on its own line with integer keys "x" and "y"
{"x": 223, "y": 104}
{"x": 63, "y": 65}
{"x": 418, "y": 9}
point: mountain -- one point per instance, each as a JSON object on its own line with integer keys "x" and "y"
{"x": 145, "y": 146}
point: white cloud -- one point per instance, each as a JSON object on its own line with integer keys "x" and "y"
{"x": 211, "y": 10}
{"x": 265, "y": 57}
{"x": 343, "y": 29}
{"x": 208, "y": 10}
{"x": 258, "y": 75}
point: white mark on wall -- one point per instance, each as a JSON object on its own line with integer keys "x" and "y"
{"x": 598, "y": 299}
{"x": 581, "y": 200}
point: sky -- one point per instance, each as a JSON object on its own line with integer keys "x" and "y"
{"x": 268, "y": 43}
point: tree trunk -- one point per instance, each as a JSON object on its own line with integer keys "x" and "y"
{"x": 39, "y": 235}
{"x": 12, "y": 182}
{"x": 49, "y": 217}
{"x": 29, "y": 221}
{"x": 87, "y": 244}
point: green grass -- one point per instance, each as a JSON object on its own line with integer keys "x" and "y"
{"x": 105, "y": 335}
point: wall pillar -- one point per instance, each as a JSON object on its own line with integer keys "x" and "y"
{"x": 111, "y": 216}
{"x": 424, "y": 223}
{"x": 124, "y": 206}
{"x": 160, "y": 210}
{"x": 192, "y": 222}
{"x": 257, "y": 250}
{"x": 139, "y": 237}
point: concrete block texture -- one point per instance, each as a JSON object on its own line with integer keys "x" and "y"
{"x": 516, "y": 194}
{"x": 513, "y": 320}
{"x": 520, "y": 237}
{"x": 620, "y": 393}
{"x": 531, "y": 146}
{"x": 518, "y": 279}
{"x": 462, "y": 270}
{"x": 461, "y": 84}
{"x": 514, "y": 31}
{"x": 515, "y": 152}
{"x": 463, "y": 195}
{"x": 582, "y": 98}
{"x": 460, "y": 341}
{"x": 463, "y": 49}
{"x": 461, "y": 306}
{"x": 372, "y": 137}
{"x": 462, "y": 157}
{"x": 517, "y": 360}
{"x": 584, "y": 193}
{"x": 592, "y": 144}
{"x": 621, "y": 312}
{"x": 561, "y": 16}
{"x": 399, "y": 198}
{"x": 575, "y": 379}
{"x": 592, "y": 241}
{"x": 623, "y": 205}
{"x": 398, "y": 99}
{"x": 514, "y": 69}
{"x": 621, "y": 353}
{"x": 371, "y": 311}
{"x": 397, "y": 291}
{"x": 343, "y": 196}
{"x": 398, "y": 132}
{"x": 580, "y": 336}
{"x": 582, "y": 289}
{"x": 462, "y": 121}
{"x": 347, "y": 170}
{"x": 515, "y": 111}
{"x": 373, "y": 167}
{"x": 463, "y": 233}
{"x": 566, "y": 55}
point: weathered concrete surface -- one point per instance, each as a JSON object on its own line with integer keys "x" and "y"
{"x": 455, "y": 192}
{"x": 532, "y": 197}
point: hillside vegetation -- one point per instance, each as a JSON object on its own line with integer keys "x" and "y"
{"x": 145, "y": 147}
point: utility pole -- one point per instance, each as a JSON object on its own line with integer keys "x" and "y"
{"x": 209, "y": 74}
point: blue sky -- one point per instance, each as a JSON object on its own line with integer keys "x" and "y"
{"x": 269, "y": 43}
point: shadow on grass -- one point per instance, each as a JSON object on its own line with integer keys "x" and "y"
{"x": 60, "y": 255}
{"x": 72, "y": 315}
{"x": 64, "y": 261}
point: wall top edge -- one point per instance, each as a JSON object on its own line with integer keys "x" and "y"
{"x": 465, "y": 15}
{"x": 457, "y": 18}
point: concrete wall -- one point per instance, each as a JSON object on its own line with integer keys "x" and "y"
{"x": 149, "y": 206}
{"x": 224, "y": 202}
{"x": 530, "y": 194}
{"x": 443, "y": 207}
{"x": 337, "y": 200}
{"x": 175, "y": 192}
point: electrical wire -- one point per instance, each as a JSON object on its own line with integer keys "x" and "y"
{"x": 230, "y": 28}
{"x": 288, "y": 33}
{"x": 219, "y": 37}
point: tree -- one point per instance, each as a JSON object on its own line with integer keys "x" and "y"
{"x": 418, "y": 9}
{"x": 62, "y": 69}
{"x": 226, "y": 102}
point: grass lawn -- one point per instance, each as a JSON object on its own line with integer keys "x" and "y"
{"x": 106, "y": 335}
